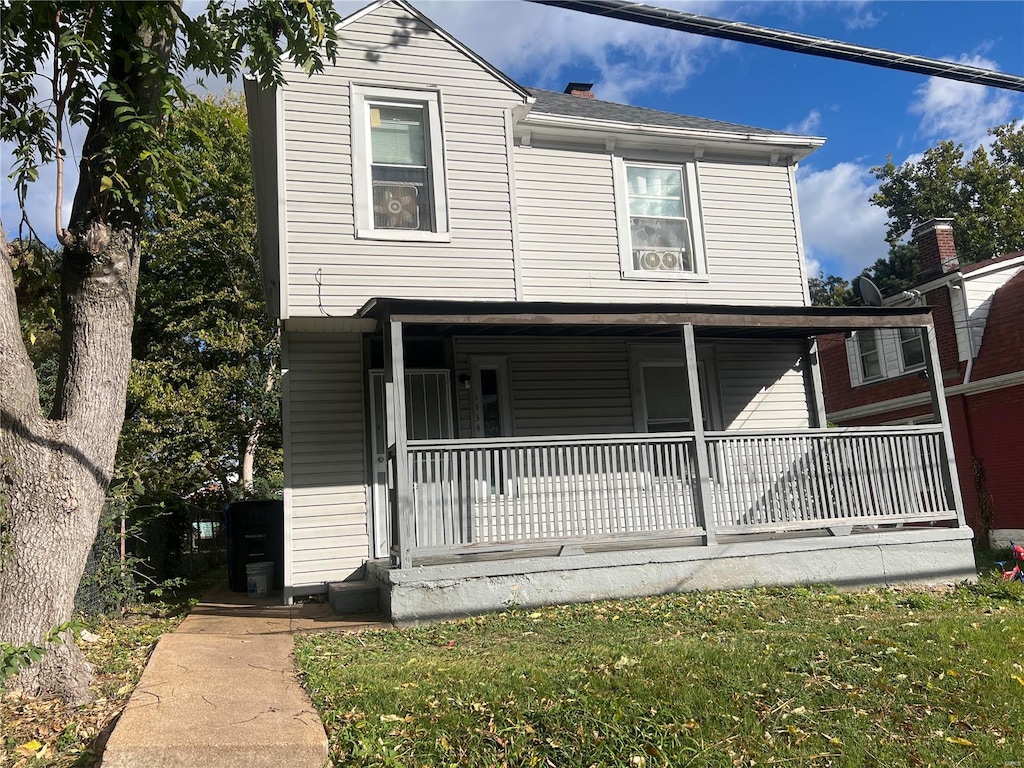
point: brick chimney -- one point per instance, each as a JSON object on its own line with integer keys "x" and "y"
{"x": 580, "y": 89}
{"x": 936, "y": 251}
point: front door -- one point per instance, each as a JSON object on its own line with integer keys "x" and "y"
{"x": 428, "y": 412}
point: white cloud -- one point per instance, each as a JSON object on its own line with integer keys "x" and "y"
{"x": 843, "y": 232}
{"x": 863, "y": 17}
{"x": 808, "y": 125}
{"x": 950, "y": 109}
{"x": 549, "y": 44}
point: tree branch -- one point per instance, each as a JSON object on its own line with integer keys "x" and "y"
{"x": 19, "y": 388}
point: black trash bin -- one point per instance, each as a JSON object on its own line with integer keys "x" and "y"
{"x": 255, "y": 533}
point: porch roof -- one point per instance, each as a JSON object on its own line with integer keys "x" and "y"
{"x": 645, "y": 319}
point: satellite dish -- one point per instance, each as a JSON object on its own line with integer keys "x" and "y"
{"x": 869, "y": 292}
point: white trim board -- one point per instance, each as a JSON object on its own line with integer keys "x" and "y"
{"x": 910, "y": 401}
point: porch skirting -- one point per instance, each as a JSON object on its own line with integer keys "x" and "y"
{"x": 918, "y": 556}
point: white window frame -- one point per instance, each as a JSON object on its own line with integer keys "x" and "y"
{"x": 904, "y": 368}
{"x": 691, "y": 207}
{"x": 499, "y": 364}
{"x": 362, "y": 98}
{"x": 859, "y": 356}
{"x": 664, "y": 355}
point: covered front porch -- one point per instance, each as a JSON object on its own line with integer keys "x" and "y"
{"x": 685, "y": 488}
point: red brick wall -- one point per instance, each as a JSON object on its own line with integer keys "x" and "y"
{"x": 996, "y": 422}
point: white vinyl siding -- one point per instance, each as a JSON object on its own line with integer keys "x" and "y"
{"x": 570, "y": 239}
{"x": 329, "y": 270}
{"x": 326, "y": 467}
{"x": 570, "y": 386}
{"x": 762, "y": 385}
{"x": 979, "y": 292}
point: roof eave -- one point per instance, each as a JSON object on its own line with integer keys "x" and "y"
{"x": 799, "y": 146}
{"x": 426, "y": 21}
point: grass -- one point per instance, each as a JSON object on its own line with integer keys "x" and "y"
{"x": 799, "y": 676}
{"x": 46, "y": 733}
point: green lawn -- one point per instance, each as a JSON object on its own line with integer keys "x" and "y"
{"x": 800, "y": 676}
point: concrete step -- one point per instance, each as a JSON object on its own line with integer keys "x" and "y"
{"x": 353, "y": 597}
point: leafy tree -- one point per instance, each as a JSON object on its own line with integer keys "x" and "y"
{"x": 118, "y": 69}
{"x": 829, "y": 290}
{"x": 984, "y": 195}
{"x": 203, "y": 392}
{"x": 897, "y": 272}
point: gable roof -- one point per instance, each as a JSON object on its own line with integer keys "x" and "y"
{"x": 566, "y": 105}
{"x": 446, "y": 36}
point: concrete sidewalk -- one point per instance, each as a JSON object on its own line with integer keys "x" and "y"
{"x": 221, "y": 690}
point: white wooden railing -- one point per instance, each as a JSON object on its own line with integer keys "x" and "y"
{"x": 827, "y": 478}
{"x": 478, "y": 492}
{"x": 473, "y": 495}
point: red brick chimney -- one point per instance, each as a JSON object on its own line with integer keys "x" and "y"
{"x": 580, "y": 89}
{"x": 936, "y": 251}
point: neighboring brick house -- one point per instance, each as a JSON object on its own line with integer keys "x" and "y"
{"x": 978, "y": 312}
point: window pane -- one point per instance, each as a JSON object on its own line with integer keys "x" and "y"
{"x": 401, "y": 198}
{"x": 655, "y": 182}
{"x": 665, "y": 393}
{"x": 912, "y": 347}
{"x": 655, "y": 206}
{"x": 397, "y": 135}
{"x": 490, "y": 404}
{"x": 870, "y": 365}
{"x": 659, "y": 233}
{"x": 866, "y": 342}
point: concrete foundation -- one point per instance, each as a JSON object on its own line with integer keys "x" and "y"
{"x": 919, "y": 556}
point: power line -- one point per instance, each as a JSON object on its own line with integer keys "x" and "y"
{"x": 788, "y": 41}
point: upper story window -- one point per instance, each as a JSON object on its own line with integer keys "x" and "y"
{"x": 398, "y": 165}
{"x": 911, "y": 348}
{"x": 660, "y": 232}
{"x": 870, "y": 353}
{"x": 885, "y": 353}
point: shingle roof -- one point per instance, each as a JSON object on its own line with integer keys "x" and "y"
{"x": 552, "y": 103}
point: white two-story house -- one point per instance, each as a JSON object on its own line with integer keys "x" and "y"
{"x": 539, "y": 347}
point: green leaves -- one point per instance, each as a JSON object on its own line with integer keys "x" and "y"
{"x": 982, "y": 193}
{"x": 130, "y": 62}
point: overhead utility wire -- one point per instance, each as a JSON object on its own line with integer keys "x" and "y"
{"x": 788, "y": 41}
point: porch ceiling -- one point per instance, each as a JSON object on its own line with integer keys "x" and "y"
{"x": 648, "y": 320}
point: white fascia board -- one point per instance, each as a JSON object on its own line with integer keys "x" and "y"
{"x": 798, "y": 146}
{"x": 1016, "y": 261}
{"x": 451, "y": 40}
{"x": 357, "y": 15}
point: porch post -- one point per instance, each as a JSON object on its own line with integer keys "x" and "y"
{"x": 401, "y": 493}
{"x": 814, "y": 371}
{"x": 703, "y": 499}
{"x": 941, "y": 413}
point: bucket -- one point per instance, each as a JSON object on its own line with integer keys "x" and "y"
{"x": 259, "y": 577}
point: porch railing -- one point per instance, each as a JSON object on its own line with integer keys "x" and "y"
{"x": 472, "y": 495}
{"x": 476, "y": 492}
{"x": 827, "y": 478}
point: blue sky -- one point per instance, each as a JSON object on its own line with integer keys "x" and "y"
{"x": 866, "y": 113}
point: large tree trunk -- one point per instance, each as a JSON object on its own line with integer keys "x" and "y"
{"x": 56, "y": 470}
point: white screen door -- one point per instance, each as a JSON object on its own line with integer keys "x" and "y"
{"x": 428, "y": 416}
